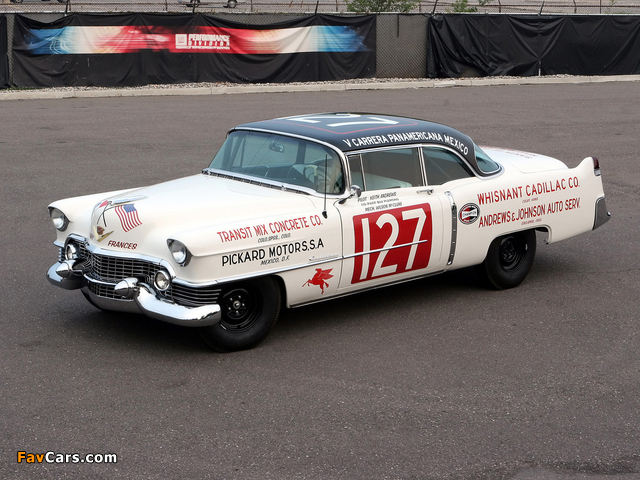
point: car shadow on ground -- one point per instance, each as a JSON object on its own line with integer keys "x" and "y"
{"x": 368, "y": 305}
{"x": 126, "y": 331}
{"x": 132, "y": 331}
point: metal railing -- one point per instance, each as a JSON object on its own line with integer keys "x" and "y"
{"x": 304, "y": 7}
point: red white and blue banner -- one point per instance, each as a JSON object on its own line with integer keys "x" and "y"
{"x": 120, "y": 50}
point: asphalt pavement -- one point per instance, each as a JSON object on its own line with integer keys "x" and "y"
{"x": 432, "y": 379}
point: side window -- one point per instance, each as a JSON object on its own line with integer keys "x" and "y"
{"x": 383, "y": 169}
{"x": 321, "y": 166}
{"x": 443, "y": 166}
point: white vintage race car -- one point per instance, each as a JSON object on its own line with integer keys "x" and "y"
{"x": 297, "y": 210}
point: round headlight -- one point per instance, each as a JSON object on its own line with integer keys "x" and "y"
{"x": 71, "y": 251}
{"x": 162, "y": 280}
{"x": 60, "y": 221}
{"x": 178, "y": 251}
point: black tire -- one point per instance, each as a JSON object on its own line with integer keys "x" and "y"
{"x": 509, "y": 260}
{"x": 249, "y": 310}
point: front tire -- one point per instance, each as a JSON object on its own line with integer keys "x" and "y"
{"x": 249, "y": 310}
{"x": 509, "y": 260}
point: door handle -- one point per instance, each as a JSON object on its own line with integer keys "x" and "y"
{"x": 428, "y": 191}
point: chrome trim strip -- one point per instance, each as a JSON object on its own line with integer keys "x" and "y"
{"x": 374, "y": 287}
{"x": 133, "y": 198}
{"x": 324, "y": 257}
{"x": 99, "y": 282}
{"x": 186, "y": 283}
{"x": 384, "y": 249}
{"x": 311, "y": 263}
{"x": 454, "y": 227}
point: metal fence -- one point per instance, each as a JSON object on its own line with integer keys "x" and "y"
{"x": 608, "y": 7}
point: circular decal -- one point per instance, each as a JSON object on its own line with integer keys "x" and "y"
{"x": 469, "y": 213}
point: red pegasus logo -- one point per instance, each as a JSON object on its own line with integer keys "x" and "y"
{"x": 320, "y": 278}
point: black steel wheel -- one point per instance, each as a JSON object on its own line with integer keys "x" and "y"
{"x": 249, "y": 310}
{"x": 508, "y": 260}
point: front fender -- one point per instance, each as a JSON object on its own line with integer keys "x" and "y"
{"x": 78, "y": 210}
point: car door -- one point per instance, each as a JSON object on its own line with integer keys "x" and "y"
{"x": 395, "y": 230}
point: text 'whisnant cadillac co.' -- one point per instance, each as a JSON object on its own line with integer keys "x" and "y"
{"x": 297, "y": 210}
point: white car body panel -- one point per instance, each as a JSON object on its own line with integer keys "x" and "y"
{"x": 247, "y": 238}
{"x": 322, "y": 246}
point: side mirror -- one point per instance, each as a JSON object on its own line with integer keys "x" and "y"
{"x": 354, "y": 191}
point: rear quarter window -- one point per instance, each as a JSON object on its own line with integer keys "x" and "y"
{"x": 443, "y": 166}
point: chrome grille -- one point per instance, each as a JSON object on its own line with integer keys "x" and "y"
{"x": 191, "y": 296}
{"x": 102, "y": 290}
{"x": 82, "y": 251}
{"x": 114, "y": 269}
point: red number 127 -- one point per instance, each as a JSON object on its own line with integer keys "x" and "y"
{"x": 392, "y": 241}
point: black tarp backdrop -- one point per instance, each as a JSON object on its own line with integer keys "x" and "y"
{"x": 528, "y": 45}
{"x": 44, "y": 54}
{"x": 4, "y": 57}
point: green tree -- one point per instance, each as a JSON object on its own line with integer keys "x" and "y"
{"x": 463, "y": 6}
{"x": 377, "y": 6}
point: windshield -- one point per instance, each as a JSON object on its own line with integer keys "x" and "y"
{"x": 280, "y": 159}
{"x": 484, "y": 161}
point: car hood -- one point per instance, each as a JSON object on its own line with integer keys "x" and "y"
{"x": 192, "y": 209}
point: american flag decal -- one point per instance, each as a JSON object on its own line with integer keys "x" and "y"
{"x": 128, "y": 216}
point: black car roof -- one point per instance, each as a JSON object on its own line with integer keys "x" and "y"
{"x": 356, "y": 131}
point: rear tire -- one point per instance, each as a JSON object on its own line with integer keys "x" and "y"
{"x": 509, "y": 260}
{"x": 249, "y": 310}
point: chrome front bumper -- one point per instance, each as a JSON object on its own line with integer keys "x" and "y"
{"x": 137, "y": 297}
